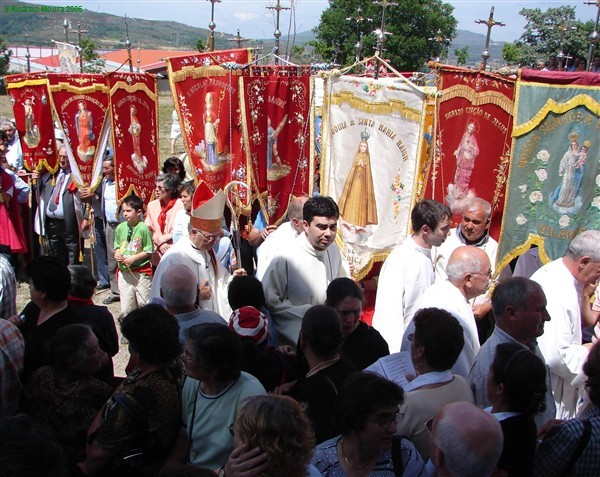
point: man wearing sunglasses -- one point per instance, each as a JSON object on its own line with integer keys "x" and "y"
{"x": 196, "y": 252}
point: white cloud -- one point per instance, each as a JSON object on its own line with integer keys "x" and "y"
{"x": 245, "y": 16}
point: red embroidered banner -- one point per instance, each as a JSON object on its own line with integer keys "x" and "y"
{"x": 473, "y": 140}
{"x": 134, "y": 116}
{"x": 33, "y": 116}
{"x": 276, "y": 105}
{"x": 206, "y": 98}
{"x": 81, "y": 104}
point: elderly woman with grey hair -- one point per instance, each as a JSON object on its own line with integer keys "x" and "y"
{"x": 160, "y": 217}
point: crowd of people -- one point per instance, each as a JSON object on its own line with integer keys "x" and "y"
{"x": 568, "y": 63}
{"x": 279, "y": 372}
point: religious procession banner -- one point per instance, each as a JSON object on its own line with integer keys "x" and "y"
{"x": 553, "y": 190}
{"x": 205, "y": 93}
{"x": 472, "y": 140}
{"x": 67, "y": 55}
{"x": 276, "y": 107}
{"x": 372, "y": 138}
{"x": 33, "y": 117}
{"x": 80, "y": 103}
{"x": 134, "y": 116}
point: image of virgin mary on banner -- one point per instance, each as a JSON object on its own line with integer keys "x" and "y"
{"x": 134, "y": 116}
{"x": 33, "y": 116}
{"x": 372, "y": 137}
{"x": 553, "y": 190}
{"x": 80, "y": 103}
{"x": 276, "y": 106}
{"x": 472, "y": 140}
{"x": 205, "y": 93}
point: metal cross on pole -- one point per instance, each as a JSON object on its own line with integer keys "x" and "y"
{"x": 239, "y": 40}
{"x": 277, "y": 32}
{"x": 210, "y": 44}
{"x": 490, "y": 22}
{"x": 79, "y": 32}
{"x": 381, "y": 33}
{"x": 128, "y": 44}
{"x": 594, "y": 36}
{"x": 359, "y": 19}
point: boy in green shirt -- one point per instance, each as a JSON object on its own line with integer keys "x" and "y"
{"x": 133, "y": 249}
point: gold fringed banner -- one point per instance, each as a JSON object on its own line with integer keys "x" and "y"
{"x": 33, "y": 115}
{"x": 472, "y": 140}
{"x": 370, "y": 162}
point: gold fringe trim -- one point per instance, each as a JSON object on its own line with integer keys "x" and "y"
{"x": 201, "y": 72}
{"x": 385, "y": 109}
{"x": 478, "y": 99}
{"x": 77, "y": 90}
{"x": 132, "y": 89}
{"x": 26, "y": 83}
{"x": 519, "y": 250}
{"x": 557, "y": 108}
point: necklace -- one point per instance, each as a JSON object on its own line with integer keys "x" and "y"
{"x": 322, "y": 365}
{"x": 356, "y": 467}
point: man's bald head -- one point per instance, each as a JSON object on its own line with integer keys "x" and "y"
{"x": 465, "y": 441}
{"x": 178, "y": 286}
{"x": 295, "y": 210}
{"x": 469, "y": 269}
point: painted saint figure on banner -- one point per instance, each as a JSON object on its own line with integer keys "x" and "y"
{"x": 571, "y": 169}
{"x": 275, "y": 168}
{"x": 357, "y": 202}
{"x": 465, "y": 154}
{"x": 83, "y": 125}
{"x": 135, "y": 129}
{"x": 210, "y": 131}
{"x": 32, "y": 133}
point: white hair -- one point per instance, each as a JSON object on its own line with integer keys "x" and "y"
{"x": 462, "y": 459}
{"x": 586, "y": 244}
{"x": 459, "y": 265}
{"x": 178, "y": 286}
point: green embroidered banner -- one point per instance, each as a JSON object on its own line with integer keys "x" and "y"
{"x": 553, "y": 190}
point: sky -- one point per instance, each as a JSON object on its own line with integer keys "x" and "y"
{"x": 255, "y": 21}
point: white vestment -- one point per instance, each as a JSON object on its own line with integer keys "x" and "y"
{"x": 446, "y": 296}
{"x": 561, "y": 342}
{"x": 441, "y": 254}
{"x": 183, "y": 252}
{"x": 297, "y": 279}
{"x": 406, "y": 273}
{"x": 275, "y": 241}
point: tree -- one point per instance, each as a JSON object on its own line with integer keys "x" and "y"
{"x": 462, "y": 55}
{"x": 412, "y": 26}
{"x": 92, "y": 63}
{"x": 200, "y": 45}
{"x": 541, "y": 37}
{"x": 4, "y": 57}
{"x": 511, "y": 53}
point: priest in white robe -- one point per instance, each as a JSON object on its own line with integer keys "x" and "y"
{"x": 297, "y": 278}
{"x": 469, "y": 273}
{"x": 196, "y": 252}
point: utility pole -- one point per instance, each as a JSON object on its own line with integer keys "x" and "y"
{"x": 277, "y": 32}
{"x": 79, "y": 32}
{"x": 490, "y": 22}
{"x": 210, "y": 44}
